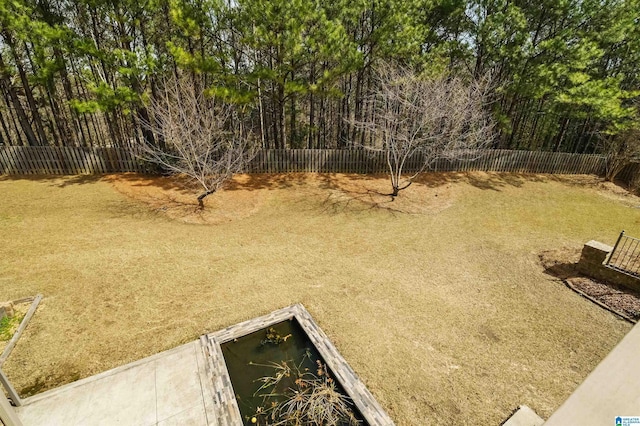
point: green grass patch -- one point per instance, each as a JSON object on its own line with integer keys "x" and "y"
{"x": 8, "y": 326}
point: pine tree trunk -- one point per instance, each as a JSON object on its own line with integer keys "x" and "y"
{"x": 7, "y": 87}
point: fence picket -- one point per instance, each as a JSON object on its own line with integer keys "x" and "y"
{"x": 21, "y": 160}
{"x": 4, "y": 161}
{"x": 39, "y": 160}
{"x": 597, "y": 166}
{"x": 568, "y": 162}
{"x": 94, "y": 164}
{"x": 96, "y": 155}
{"x": 58, "y": 164}
{"x": 85, "y": 160}
{"x": 131, "y": 160}
{"x": 24, "y": 160}
{"x": 29, "y": 163}
{"x": 78, "y": 154}
{"x": 561, "y": 162}
{"x": 35, "y": 161}
{"x": 498, "y": 162}
{"x": 75, "y": 166}
{"x": 17, "y": 163}
{"x": 49, "y": 160}
{"x": 564, "y": 163}
{"x": 122, "y": 159}
{"x": 584, "y": 164}
{"x": 111, "y": 154}
{"x": 12, "y": 166}
{"x": 15, "y": 160}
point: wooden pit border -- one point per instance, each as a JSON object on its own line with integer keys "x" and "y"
{"x": 224, "y": 407}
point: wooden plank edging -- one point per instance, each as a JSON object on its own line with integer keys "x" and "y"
{"x": 225, "y": 404}
{"x": 21, "y": 328}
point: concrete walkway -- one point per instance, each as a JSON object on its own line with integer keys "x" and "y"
{"x": 173, "y": 388}
{"x": 165, "y": 389}
{"x": 524, "y": 416}
{"x": 611, "y": 390}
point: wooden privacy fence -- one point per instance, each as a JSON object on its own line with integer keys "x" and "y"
{"x": 41, "y": 160}
{"x": 630, "y": 174}
{"x": 365, "y": 161}
{"x": 81, "y": 160}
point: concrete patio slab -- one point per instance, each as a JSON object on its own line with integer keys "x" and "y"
{"x": 127, "y": 397}
{"x": 524, "y": 416}
{"x": 611, "y": 390}
{"x": 188, "y": 385}
{"x": 163, "y": 389}
{"x": 193, "y": 416}
{"x": 177, "y": 388}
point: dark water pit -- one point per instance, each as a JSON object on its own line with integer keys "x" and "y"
{"x": 278, "y": 375}
{"x": 280, "y": 369}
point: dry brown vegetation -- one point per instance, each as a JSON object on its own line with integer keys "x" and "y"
{"x": 438, "y": 299}
{"x": 563, "y": 264}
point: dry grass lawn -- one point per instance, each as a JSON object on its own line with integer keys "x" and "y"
{"x": 437, "y": 300}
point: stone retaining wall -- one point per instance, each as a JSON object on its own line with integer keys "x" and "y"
{"x": 592, "y": 263}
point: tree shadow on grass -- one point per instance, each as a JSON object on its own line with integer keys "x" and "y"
{"x": 180, "y": 184}
{"x": 338, "y": 192}
{"x": 173, "y": 195}
{"x": 65, "y": 373}
{"x": 59, "y": 181}
{"x": 257, "y": 181}
{"x": 483, "y": 180}
{"x": 359, "y": 202}
{"x": 560, "y": 263}
{"x": 62, "y": 181}
{"x": 374, "y": 191}
{"x": 357, "y": 192}
{"x": 495, "y": 181}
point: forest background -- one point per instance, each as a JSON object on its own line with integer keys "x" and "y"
{"x": 83, "y": 72}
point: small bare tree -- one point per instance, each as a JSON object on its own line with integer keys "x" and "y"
{"x": 200, "y": 136}
{"x": 420, "y": 120}
{"x": 621, "y": 150}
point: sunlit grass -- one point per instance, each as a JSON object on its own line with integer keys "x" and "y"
{"x": 437, "y": 300}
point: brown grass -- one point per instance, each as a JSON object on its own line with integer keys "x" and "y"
{"x": 437, "y": 299}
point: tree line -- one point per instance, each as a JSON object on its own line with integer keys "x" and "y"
{"x": 84, "y": 72}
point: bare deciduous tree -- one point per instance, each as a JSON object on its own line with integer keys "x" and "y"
{"x": 621, "y": 150}
{"x": 420, "y": 120}
{"x": 202, "y": 138}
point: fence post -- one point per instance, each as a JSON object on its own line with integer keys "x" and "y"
{"x": 8, "y": 416}
{"x": 615, "y": 247}
{"x": 13, "y": 394}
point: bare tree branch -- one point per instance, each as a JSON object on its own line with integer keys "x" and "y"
{"x": 204, "y": 139}
{"x": 621, "y": 150}
{"x": 423, "y": 120}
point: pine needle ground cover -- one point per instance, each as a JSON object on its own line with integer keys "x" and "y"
{"x": 438, "y": 299}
